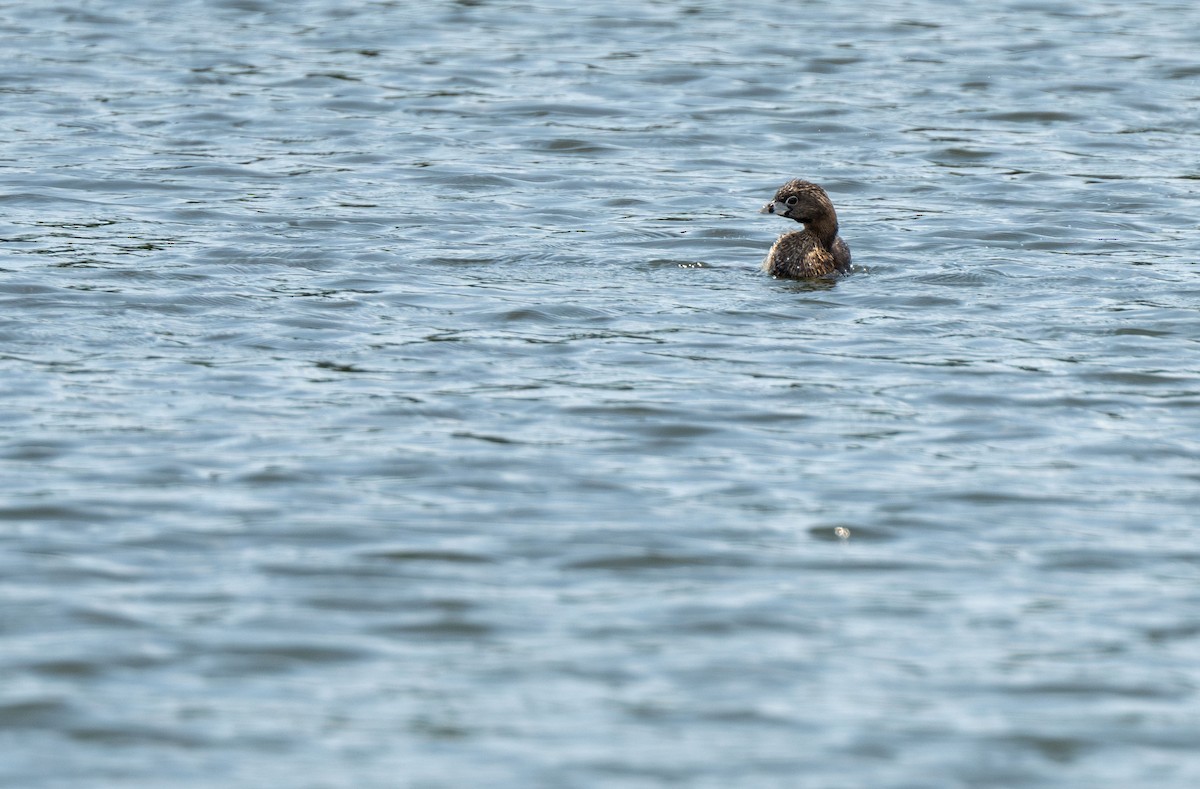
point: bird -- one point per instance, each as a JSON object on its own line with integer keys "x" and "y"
{"x": 817, "y": 250}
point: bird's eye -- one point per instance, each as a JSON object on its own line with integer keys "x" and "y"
{"x": 791, "y": 200}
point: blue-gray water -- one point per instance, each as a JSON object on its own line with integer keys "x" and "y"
{"x": 391, "y": 397}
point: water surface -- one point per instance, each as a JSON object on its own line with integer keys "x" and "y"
{"x": 392, "y": 397}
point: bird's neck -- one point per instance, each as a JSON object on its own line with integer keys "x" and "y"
{"x": 825, "y": 229}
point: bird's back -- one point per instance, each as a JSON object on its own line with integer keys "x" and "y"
{"x": 800, "y": 255}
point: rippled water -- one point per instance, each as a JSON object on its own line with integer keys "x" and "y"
{"x": 392, "y": 397}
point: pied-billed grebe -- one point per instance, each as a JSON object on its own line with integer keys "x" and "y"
{"x": 815, "y": 251}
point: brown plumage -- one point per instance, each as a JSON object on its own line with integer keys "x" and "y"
{"x": 815, "y": 251}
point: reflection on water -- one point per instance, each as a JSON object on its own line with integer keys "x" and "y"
{"x": 392, "y": 396}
